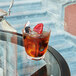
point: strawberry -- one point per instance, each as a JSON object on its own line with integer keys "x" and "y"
{"x": 38, "y": 28}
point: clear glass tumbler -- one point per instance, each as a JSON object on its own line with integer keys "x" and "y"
{"x": 36, "y": 44}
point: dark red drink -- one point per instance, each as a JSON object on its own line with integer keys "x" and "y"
{"x": 36, "y": 44}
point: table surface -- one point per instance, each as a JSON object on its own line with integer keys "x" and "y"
{"x": 12, "y": 44}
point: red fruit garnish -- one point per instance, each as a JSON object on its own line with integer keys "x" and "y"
{"x": 38, "y": 28}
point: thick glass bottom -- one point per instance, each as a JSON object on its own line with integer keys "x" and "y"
{"x": 36, "y": 58}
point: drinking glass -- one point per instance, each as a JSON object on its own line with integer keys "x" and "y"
{"x": 36, "y": 44}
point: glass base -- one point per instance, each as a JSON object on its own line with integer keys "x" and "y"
{"x": 35, "y": 58}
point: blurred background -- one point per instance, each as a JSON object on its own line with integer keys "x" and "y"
{"x": 35, "y": 11}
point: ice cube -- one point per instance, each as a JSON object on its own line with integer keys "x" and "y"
{"x": 45, "y": 33}
{"x": 34, "y": 34}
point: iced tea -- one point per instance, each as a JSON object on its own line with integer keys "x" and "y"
{"x": 36, "y": 44}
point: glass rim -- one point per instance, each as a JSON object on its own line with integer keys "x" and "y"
{"x": 37, "y": 34}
